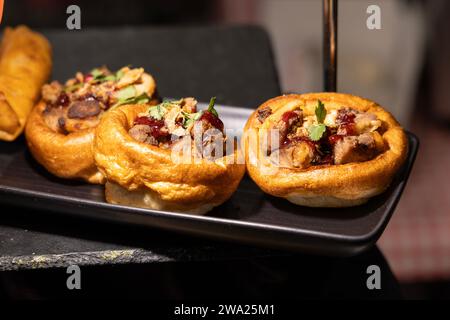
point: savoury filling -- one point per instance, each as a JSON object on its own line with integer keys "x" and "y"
{"x": 166, "y": 123}
{"x": 79, "y": 103}
{"x": 338, "y": 137}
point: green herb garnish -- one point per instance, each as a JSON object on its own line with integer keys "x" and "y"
{"x": 99, "y": 76}
{"x": 158, "y": 111}
{"x": 111, "y": 77}
{"x": 320, "y": 111}
{"x": 128, "y": 95}
{"x": 211, "y": 108}
{"x": 73, "y": 87}
{"x": 189, "y": 118}
{"x": 119, "y": 74}
{"x": 316, "y": 131}
{"x": 143, "y": 98}
{"x": 97, "y": 73}
{"x": 168, "y": 101}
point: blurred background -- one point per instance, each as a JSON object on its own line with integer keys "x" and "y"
{"x": 405, "y": 67}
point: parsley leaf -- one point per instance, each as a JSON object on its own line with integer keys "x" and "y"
{"x": 97, "y": 73}
{"x": 99, "y": 76}
{"x": 126, "y": 93}
{"x": 320, "y": 111}
{"x": 211, "y": 109}
{"x": 73, "y": 87}
{"x": 111, "y": 77}
{"x": 119, "y": 74}
{"x": 190, "y": 118}
{"x": 187, "y": 122}
{"x": 158, "y": 111}
{"x": 316, "y": 131}
{"x": 168, "y": 101}
{"x": 143, "y": 98}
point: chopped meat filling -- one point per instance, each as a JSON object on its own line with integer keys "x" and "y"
{"x": 347, "y": 135}
{"x": 143, "y": 133}
{"x": 84, "y": 109}
{"x": 78, "y": 104}
{"x": 355, "y": 149}
{"x": 288, "y": 124}
{"x": 189, "y": 105}
{"x": 51, "y": 92}
{"x": 167, "y": 122}
{"x": 299, "y": 155}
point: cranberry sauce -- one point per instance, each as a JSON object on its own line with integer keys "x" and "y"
{"x": 212, "y": 119}
{"x": 157, "y": 127}
{"x": 323, "y": 149}
{"x": 63, "y": 100}
{"x": 346, "y": 121}
{"x": 289, "y": 118}
{"x": 288, "y": 115}
{"x": 334, "y": 138}
{"x": 88, "y": 77}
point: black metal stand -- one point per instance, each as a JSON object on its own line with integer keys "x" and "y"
{"x": 330, "y": 44}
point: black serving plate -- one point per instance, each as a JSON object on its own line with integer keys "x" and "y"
{"x": 250, "y": 216}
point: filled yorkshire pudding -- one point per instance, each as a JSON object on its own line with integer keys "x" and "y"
{"x": 60, "y": 129}
{"x": 323, "y": 149}
{"x": 167, "y": 157}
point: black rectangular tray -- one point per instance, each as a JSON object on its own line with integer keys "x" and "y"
{"x": 250, "y": 216}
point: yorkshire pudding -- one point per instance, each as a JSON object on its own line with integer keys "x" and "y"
{"x": 323, "y": 149}
{"x": 136, "y": 151}
{"x": 60, "y": 129}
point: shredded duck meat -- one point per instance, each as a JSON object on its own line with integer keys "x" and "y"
{"x": 79, "y": 103}
{"x": 169, "y": 122}
{"x": 348, "y": 135}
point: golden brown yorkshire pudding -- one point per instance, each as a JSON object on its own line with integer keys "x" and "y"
{"x": 60, "y": 129}
{"x": 323, "y": 149}
{"x": 25, "y": 65}
{"x": 135, "y": 151}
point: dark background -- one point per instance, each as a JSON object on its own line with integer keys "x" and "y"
{"x": 52, "y": 13}
{"x": 430, "y": 115}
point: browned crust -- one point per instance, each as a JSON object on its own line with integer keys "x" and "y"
{"x": 138, "y": 166}
{"x": 354, "y": 183}
{"x": 25, "y": 65}
{"x": 145, "y": 198}
{"x": 67, "y": 156}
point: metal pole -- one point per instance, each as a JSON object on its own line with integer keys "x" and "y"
{"x": 330, "y": 44}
